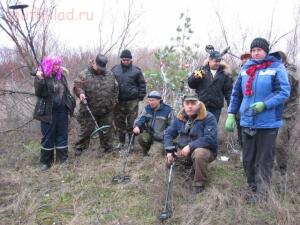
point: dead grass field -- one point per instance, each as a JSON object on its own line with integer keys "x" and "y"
{"x": 80, "y": 192}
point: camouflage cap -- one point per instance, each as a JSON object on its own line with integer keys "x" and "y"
{"x": 191, "y": 97}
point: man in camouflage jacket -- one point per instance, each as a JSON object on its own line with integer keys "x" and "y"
{"x": 99, "y": 88}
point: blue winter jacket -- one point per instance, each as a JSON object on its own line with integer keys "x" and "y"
{"x": 270, "y": 86}
{"x": 201, "y": 133}
{"x": 155, "y": 122}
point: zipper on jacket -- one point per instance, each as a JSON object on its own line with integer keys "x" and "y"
{"x": 254, "y": 116}
{"x": 153, "y": 120}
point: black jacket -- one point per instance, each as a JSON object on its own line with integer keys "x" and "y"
{"x": 212, "y": 90}
{"x": 44, "y": 90}
{"x": 131, "y": 82}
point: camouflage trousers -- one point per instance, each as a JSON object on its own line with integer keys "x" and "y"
{"x": 149, "y": 145}
{"x": 87, "y": 126}
{"x": 283, "y": 143}
{"x": 124, "y": 115}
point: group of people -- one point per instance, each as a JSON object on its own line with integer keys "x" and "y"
{"x": 258, "y": 101}
{"x": 109, "y": 95}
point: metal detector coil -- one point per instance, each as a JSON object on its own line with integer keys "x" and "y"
{"x": 167, "y": 211}
{"x": 103, "y": 129}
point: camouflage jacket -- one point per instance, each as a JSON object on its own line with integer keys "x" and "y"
{"x": 291, "y": 105}
{"x": 100, "y": 90}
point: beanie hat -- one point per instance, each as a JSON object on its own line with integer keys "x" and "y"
{"x": 126, "y": 54}
{"x": 260, "y": 43}
{"x": 154, "y": 94}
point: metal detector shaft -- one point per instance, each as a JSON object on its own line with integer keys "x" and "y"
{"x": 169, "y": 186}
{"x": 233, "y": 55}
{"x": 98, "y": 129}
{"x": 91, "y": 114}
{"x": 166, "y": 213}
{"x": 127, "y": 153}
{"x": 122, "y": 177}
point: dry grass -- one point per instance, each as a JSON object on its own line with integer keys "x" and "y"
{"x": 81, "y": 192}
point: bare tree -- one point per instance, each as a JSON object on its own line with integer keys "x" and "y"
{"x": 293, "y": 49}
{"x": 27, "y": 32}
{"x": 118, "y": 40}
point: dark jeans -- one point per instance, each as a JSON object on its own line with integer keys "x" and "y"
{"x": 258, "y": 157}
{"x": 216, "y": 112}
{"x": 55, "y": 136}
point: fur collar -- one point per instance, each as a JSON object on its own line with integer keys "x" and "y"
{"x": 223, "y": 67}
{"x": 202, "y": 114}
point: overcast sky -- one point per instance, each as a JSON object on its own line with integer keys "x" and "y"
{"x": 159, "y": 18}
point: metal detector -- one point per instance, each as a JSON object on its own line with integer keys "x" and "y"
{"x": 167, "y": 211}
{"x": 209, "y": 49}
{"x": 103, "y": 129}
{"x": 20, "y": 6}
{"x": 122, "y": 177}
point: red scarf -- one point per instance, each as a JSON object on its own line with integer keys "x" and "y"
{"x": 251, "y": 73}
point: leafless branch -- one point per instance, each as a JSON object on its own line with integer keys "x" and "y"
{"x": 17, "y": 128}
{"x": 283, "y": 35}
{"x": 7, "y": 91}
{"x": 222, "y": 27}
{"x": 124, "y": 37}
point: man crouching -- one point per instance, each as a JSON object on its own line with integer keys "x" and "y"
{"x": 197, "y": 130}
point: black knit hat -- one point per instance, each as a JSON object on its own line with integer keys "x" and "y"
{"x": 260, "y": 43}
{"x": 126, "y": 54}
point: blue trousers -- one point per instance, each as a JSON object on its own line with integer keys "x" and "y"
{"x": 55, "y": 136}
